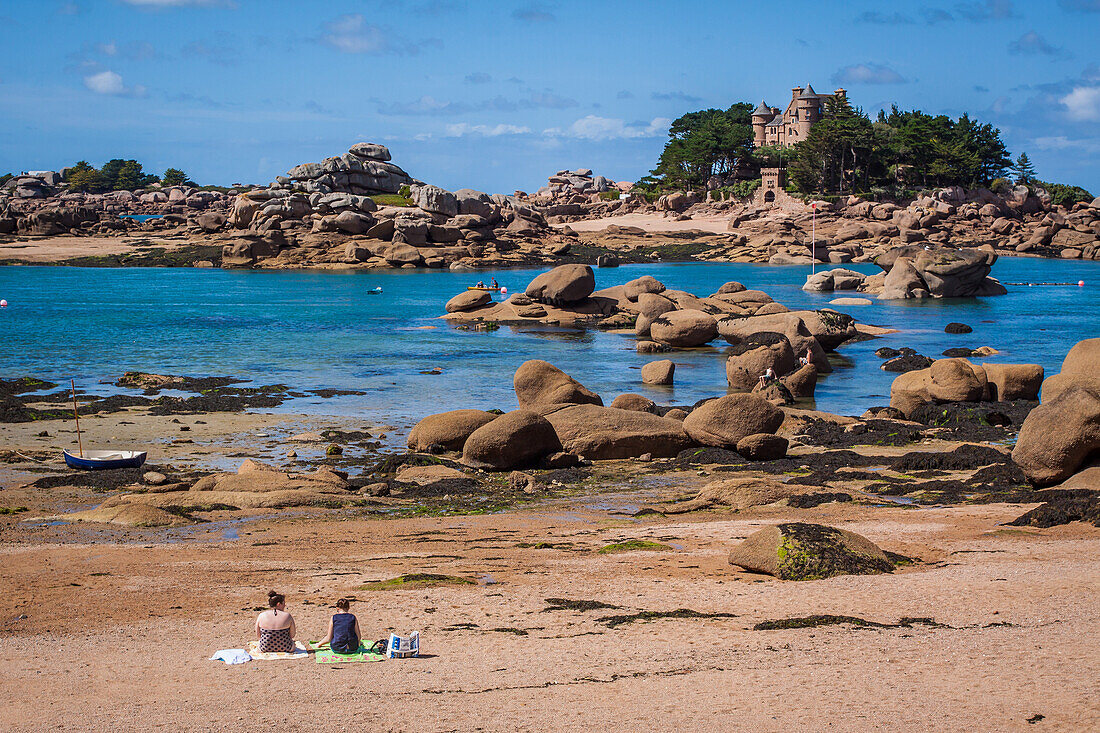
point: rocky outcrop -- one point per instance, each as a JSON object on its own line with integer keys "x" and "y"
{"x": 917, "y": 272}
{"x": 661, "y": 371}
{"x": 602, "y": 433}
{"x": 468, "y": 300}
{"x": 513, "y": 440}
{"x": 636, "y": 402}
{"x": 837, "y": 279}
{"x": 798, "y": 551}
{"x": 447, "y": 430}
{"x": 724, "y": 421}
{"x": 762, "y": 447}
{"x": 737, "y": 494}
{"x": 959, "y": 380}
{"x": 563, "y": 285}
{"x": 684, "y": 328}
{"x": 1062, "y": 435}
{"x": 539, "y": 383}
{"x": 565, "y": 184}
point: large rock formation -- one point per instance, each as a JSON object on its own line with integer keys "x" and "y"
{"x": 724, "y": 421}
{"x": 918, "y": 272}
{"x": 1062, "y": 435}
{"x": 539, "y": 382}
{"x": 513, "y": 440}
{"x": 684, "y": 328}
{"x": 563, "y": 285}
{"x": 448, "y": 430}
{"x": 602, "y": 433}
{"x": 959, "y": 380}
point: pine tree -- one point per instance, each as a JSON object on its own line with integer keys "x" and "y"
{"x": 174, "y": 177}
{"x": 1024, "y": 170}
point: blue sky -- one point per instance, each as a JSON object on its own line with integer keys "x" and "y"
{"x": 498, "y": 95}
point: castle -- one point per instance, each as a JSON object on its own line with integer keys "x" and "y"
{"x": 782, "y": 129}
{"x": 772, "y": 128}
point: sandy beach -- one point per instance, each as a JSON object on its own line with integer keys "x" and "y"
{"x": 111, "y": 629}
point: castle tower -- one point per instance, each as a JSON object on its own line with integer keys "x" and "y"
{"x": 808, "y": 108}
{"x": 761, "y": 116}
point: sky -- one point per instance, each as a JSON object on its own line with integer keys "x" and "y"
{"x": 497, "y": 95}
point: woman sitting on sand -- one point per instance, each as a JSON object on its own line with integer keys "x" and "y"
{"x": 343, "y": 630}
{"x": 275, "y": 628}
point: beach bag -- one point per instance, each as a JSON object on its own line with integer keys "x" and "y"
{"x": 401, "y": 647}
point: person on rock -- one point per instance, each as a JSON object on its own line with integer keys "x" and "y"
{"x": 343, "y": 635}
{"x": 275, "y": 627}
{"x": 767, "y": 377}
{"x": 805, "y": 360}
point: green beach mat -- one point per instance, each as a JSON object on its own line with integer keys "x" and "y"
{"x": 327, "y": 656}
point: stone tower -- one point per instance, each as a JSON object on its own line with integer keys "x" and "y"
{"x": 761, "y": 116}
{"x": 807, "y": 112}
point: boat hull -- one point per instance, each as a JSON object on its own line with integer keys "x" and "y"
{"x": 100, "y": 460}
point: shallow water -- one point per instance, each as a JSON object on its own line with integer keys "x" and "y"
{"x": 312, "y": 330}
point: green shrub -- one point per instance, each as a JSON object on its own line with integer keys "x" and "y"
{"x": 744, "y": 189}
{"x": 392, "y": 199}
{"x": 1062, "y": 194}
{"x": 1000, "y": 186}
{"x": 612, "y": 195}
{"x": 404, "y": 191}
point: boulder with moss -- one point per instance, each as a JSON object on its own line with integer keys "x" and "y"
{"x": 799, "y": 551}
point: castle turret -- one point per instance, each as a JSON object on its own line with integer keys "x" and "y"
{"x": 808, "y": 111}
{"x": 761, "y": 116}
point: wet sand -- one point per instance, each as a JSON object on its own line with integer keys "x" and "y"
{"x": 45, "y": 250}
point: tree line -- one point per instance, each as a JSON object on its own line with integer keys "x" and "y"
{"x": 118, "y": 175}
{"x": 844, "y": 153}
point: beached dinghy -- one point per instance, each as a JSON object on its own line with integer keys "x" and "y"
{"x": 95, "y": 460}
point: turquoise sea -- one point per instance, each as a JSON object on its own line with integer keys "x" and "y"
{"x": 322, "y": 330}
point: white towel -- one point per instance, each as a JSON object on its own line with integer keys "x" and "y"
{"x": 231, "y": 656}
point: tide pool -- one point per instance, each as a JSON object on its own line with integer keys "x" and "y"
{"x": 314, "y": 330}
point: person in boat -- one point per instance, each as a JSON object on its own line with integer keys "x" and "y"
{"x": 767, "y": 377}
{"x": 343, "y": 635}
{"x": 275, "y": 627}
{"x": 481, "y": 283}
{"x": 493, "y": 283}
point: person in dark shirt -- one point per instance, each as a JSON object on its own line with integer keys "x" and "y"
{"x": 343, "y": 630}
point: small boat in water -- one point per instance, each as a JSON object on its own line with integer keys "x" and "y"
{"x": 375, "y": 291}
{"x": 482, "y": 287}
{"x": 95, "y": 460}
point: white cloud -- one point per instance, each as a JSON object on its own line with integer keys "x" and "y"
{"x": 351, "y": 33}
{"x": 110, "y": 83}
{"x": 867, "y": 74}
{"x": 593, "y": 127}
{"x": 1083, "y": 104}
{"x": 464, "y": 129}
{"x": 1061, "y": 142}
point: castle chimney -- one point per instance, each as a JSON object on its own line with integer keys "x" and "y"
{"x": 795, "y": 91}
